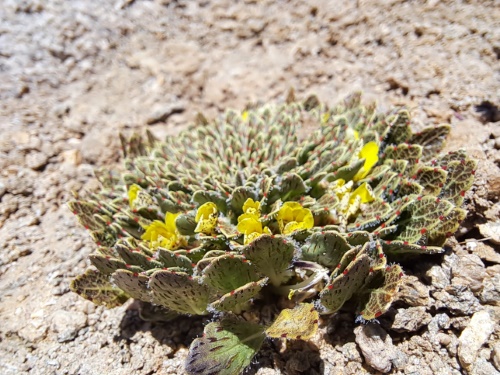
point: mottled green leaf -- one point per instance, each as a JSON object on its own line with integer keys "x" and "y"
{"x": 96, "y": 287}
{"x": 226, "y": 348}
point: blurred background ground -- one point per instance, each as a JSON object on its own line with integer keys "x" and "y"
{"x": 73, "y": 74}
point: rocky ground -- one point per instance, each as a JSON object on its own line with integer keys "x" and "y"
{"x": 73, "y": 74}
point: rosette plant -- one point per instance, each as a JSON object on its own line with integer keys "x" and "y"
{"x": 216, "y": 220}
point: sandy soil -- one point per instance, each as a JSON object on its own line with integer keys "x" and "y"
{"x": 73, "y": 74}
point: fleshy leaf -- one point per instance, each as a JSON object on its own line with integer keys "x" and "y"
{"x": 272, "y": 256}
{"x": 342, "y": 288}
{"x": 134, "y": 284}
{"x": 179, "y": 292}
{"x": 229, "y": 272}
{"x": 326, "y": 248}
{"x": 299, "y": 323}
{"x": 237, "y": 299}
{"x": 380, "y": 299}
{"x": 226, "y": 348}
{"x": 96, "y": 287}
{"x": 459, "y": 180}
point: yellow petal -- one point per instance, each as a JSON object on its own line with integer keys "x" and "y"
{"x": 206, "y": 217}
{"x": 249, "y": 225}
{"x": 244, "y": 115}
{"x": 251, "y": 207}
{"x": 170, "y": 221}
{"x": 364, "y": 191}
{"x": 369, "y": 152}
{"x": 205, "y": 210}
{"x": 132, "y": 194}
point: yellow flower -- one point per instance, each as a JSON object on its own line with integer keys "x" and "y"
{"x": 206, "y": 217}
{"x": 364, "y": 192}
{"x": 133, "y": 190}
{"x": 244, "y": 116}
{"x": 251, "y": 227}
{"x": 292, "y": 216}
{"x": 251, "y": 207}
{"x": 369, "y": 152}
{"x": 164, "y": 234}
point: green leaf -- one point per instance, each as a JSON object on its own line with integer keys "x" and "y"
{"x": 133, "y": 283}
{"x": 96, "y": 287}
{"x": 459, "y": 180}
{"x": 185, "y": 224}
{"x": 299, "y": 323}
{"x": 175, "y": 259}
{"x": 381, "y": 298}
{"x": 237, "y": 300}
{"x": 272, "y": 256}
{"x": 107, "y": 264}
{"x": 342, "y": 288}
{"x": 432, "y": 140}
{"x": 226, "y": 348}
{"x": 325, "y": 248}
{"x": 229, "y": 272}
{"x": 179, "y": 292}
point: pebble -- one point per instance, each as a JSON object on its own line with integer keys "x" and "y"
{"x": 474, "y": 337}
{"x": 410, "y": 319}
{"x": 376, "y": 347}
{"x": 36, "y": 160}
{"x": 491, "y": 230}
{"x": 72, "y": 157}
{"x": 67, "y": 324}
{"x": 495, "y": 355}
{"x": 469, "y": 271}
{"x": 491, "y": 289}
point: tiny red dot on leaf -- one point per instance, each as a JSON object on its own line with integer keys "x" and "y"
{"x": 378, "y": 314}
{"x": 330, "y": 287}
{"x": 345, "y": 272}
{"x": 381, "y": 255}
{"x": 284, "y": 335}
{"x": 135, "y": 274}
{"x": 462, "y": 193}
{"x": 406, "y": 243}
{"x": 423, "y": 230}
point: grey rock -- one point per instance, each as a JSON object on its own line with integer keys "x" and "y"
{"x": 440, "y": 277}
{"x": 3, "y": 189}
{"x": 36, "y": 160}
{"x": 486, "y": 252}
{"x": 376, "y": 347}
{"x": 483, "y": 367}
{"x": 469, "y": 271}
{"x": 459, "y": 300}
{"x": 491, "y": 286}
{"x": 67, "y": 324}
{"x": 162, "y": 113}
{"x": 491, "y": 230}
{"x": 473, "y": 338}
{"x": 413, "y": 292}
{"x": 410, "y": 319}
{"x": 495, "y": 355}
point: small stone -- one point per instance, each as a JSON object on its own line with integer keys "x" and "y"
{"x": 469, "y": 271}
{"x": 495, "y": 355}
{"x": 376, "y": 347}
{"x": 491, "y": 230}
{"x": 487, "y": 253}
{"x": 410, "y": 319}
{"x": 483, "y": 367}
{"x": 72, "y": 157}
{"x": 3, "y": 189}
{"x": 36, "y": 160}
{"x": 473, "y": 338}
{"x": 458, "y": 299}
{"x": 413, "y": 292}
{"x": 440, "y": 278}
{"x": 67, "y": 324}
{"x": 162, "y": 113}
{"x": 491, "y": 288}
